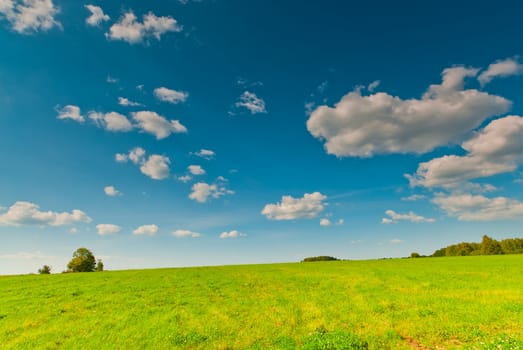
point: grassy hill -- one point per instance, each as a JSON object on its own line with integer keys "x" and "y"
{"x": 456, "y": 302}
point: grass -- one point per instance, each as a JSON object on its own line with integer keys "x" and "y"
{"x": 436, "y": 303}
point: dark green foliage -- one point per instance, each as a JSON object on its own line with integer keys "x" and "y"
{"x": 336, "y": 340}
{"x": 319, "y": 258}
{"x": 488, "y": 246}
{"x": 83, "y": 261}
{"x": 99, "y": 266}
{"x": 45, "y": 270}
{"x": 415, "y": 255}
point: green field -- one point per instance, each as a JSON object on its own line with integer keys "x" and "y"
{"x": 434, "y": 303}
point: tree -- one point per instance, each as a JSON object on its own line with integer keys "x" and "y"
{"x": 99, "y": 266}
{"x": 83, "y": 261}
{"x": 45, "y": 270}
{"x": 415, "y": 255}
{"x": 490, "y": 246}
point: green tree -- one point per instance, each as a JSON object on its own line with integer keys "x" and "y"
{"x": 99, "y": 266}
{"x": 415, "y": 255}
{"x": 83, "y": 261}
{"x": 45, "y": 270}
{"x": 490, "y": 246}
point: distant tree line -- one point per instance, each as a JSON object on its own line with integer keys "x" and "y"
{"x": 488, "y": 246}
{"x": 319, "y": 258}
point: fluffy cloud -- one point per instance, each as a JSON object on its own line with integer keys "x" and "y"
{"x": 325, "y": 222}
{"x": 107, "y": 229}
{"x": 153, "y": 123}
{"x": 295, "y": 208}
{"x": 185, "y": 178}
{"x": 232, "y": 234}
{"x": 171, "y": 96}
{"x": 362, "y": 126}
{"x": 196, "y": 170}
{"x": 97, "y": 15}
{"x": 111, "y": 121}
{"x": 27, "y": 213}
{"x": 70, "y": 112}
{"x": 186, "y": 233}
{"x": 205, "y": 153}
{"x": 129, "y": 29}
{"x": 500, "y": 68}
{"x": 250, "y": 101}
{"x": 150, "y": 230}
{"x": 111, "y": 191}
{"x": 496, "y": 149}
{"x": 201, "y": 191}
{"x": 467, "y": 207}
{"x": 29, "y": 16}
{"x": 122, "y": 101}
{"x": 155, "y": 166}
{"x": 410, "y": 216}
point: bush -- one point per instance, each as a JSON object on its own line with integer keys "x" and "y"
{"x": 45, "y": 270}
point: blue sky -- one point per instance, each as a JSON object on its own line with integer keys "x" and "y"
{"x": 181, "y": 133}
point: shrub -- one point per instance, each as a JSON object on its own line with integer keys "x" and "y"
{"x": 45, "y": 270}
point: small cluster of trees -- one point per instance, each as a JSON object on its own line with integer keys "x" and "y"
{"x": 488, "y": 246}
{"x": 83, "y": 261}
{"x": 319, "y": 258}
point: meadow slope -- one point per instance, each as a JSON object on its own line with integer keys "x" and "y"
{"x": 434, "y": 303}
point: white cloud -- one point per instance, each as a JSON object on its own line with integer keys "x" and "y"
{"x": 185, "y": 178}
{"x": 111, "y": 121}
{"x": 171, "y": 96}
{"x": 372, "y": 86}
{"x": 202, "y": 191}
{"x": 122, "y": 101}
{"x": 107, "y": 229}
{"x": 27, "y": 213}
{"x": 496, "y": 149}
{"x": 73, "y": 230}
{"x": 121, "y": 158}
{"x": 70, "y": 112}
{"x": 30, "y": 16}
{"x": 153, "y": 123}
{"x": 362, "y": 126}
{"x": 325, "y": 222}
{"x": 501, "y": 68}
{"x": 410, "y": 216}
{"x": 340, "y": 222}
{"x": 186, "y": 233}
{"x": 27, "y": 255}
{"x": 414, "y": 197}
{"x": 467, "y": 207}
{"x": 111, "y": 191}
{"x": 232, "y": 234}
{"x": 137, "y": 155}
{"x": 129, "y": 29}
{"x": 205, "y": 153}
{"x": 150, "y": 230}
{"x": 196, "y": 170}
{"x": 295, "y": 208}
{"x": 156, "y": 167}
{"x": 97, "y": 15}
{"x": 253, "y": 103}
{"x": 395, "y": 241}
{"x": 111, "y": 80}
